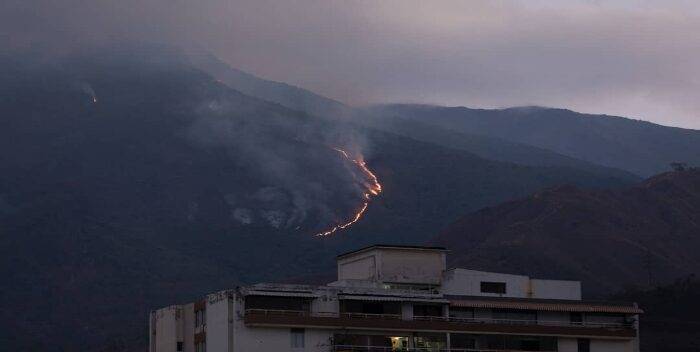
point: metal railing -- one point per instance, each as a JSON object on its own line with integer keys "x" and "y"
{"x": 355, "y": 348}
{"x": 607, "y": 325}
{"x": 457, "y": 320}
{"x": 299, "y": 313}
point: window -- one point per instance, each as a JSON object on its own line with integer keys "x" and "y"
{"x": 297, "y": 338}
{"x": 429, "y": 341}
{"x": 462, "y": 313}
{"x": 427, "y": 310}
{"x": 179, "y": 345}
{"x": 576, "y": 318}
{"x": 493, "y": 287}
{"x": 519, "y": 316}
{"x": 200, "y": 346}
{"x": 277, "y": 303}
{"x": 584, "y": 345}
{"x": 200, "y": 318}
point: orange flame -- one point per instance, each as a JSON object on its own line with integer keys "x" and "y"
{"x": 373, "y": 189}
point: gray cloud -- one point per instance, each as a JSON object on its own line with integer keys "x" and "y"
{"x": 633, "y": 58}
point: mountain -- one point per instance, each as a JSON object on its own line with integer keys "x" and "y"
{"x": 293, "y": 97}
{"x": 296, "y": 98}
{"x": 648, "y": 233}
{"x": 492, "y": 148}
{"x": 639, "y": 147}
{"x": 670, "y": 321}
{"x": 132, "y": 179}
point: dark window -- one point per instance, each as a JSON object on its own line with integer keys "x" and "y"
{"x": 576, "y": 318}
{"x": 493, "y": 287}
{"x": 522, "y": 316}
{"x": 584, "y": 345}
{"x": 179, "y": 345}
{"x": 463, "y": 313}
{"x": 297, "y": 338}
{"x": 200, "y": 318}
{"x": 427, "y": 310}
{"x": 352, "y": 306}
{"x": 463, "y": 341}
{"x": 277, "y": 303}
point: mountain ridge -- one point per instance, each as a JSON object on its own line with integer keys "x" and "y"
{"x": 641, "y": 147}
{"x": 608, "y": 238}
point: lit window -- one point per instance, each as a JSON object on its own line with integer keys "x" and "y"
{"x": 493, "y": 287}
{"x": 297, "y": 338}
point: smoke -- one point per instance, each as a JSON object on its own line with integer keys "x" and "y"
{"x": 87, "y": 89}
{"x": 637, "y": 59}
{"x": 299, "y": 181}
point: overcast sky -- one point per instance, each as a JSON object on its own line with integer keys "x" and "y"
{"x": 639, "y": 59}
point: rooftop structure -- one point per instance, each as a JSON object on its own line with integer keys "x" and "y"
{"x": 399, "y": 298}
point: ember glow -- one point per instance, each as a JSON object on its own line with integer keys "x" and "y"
{"x": 373, "y": 188}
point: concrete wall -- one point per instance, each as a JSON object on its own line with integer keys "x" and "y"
{"x": 188, "y": 327}
{"x": 567, "y": 345}
{"x": 219, "y": 332}
{"x": 394, "y": 265}
{"x": 168, "y": 329}
{"x": 362, "y": 266}
{"x": 468, "y": 283}
{"x": 556, "y": 289}
{"x": 247, "y": 339}
{"x": 611, "y": 346}
{"x": 325, "y": 304}
{"x": 411, "y": 266}
{"x": 597, "y": 345}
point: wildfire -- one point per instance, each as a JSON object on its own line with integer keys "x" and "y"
{"x": 373, "y": 189}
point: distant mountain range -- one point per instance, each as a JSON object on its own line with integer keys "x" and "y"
{"x": 534, "y": 136}
{"x": 636, "y": 146}
{"x": 643, "y": 235}
{"x": 278, "y": 92}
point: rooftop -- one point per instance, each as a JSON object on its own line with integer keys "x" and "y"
{"x": 391, "y": 246}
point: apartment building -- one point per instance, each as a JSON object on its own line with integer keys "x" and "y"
{"x": 399, "y": 298}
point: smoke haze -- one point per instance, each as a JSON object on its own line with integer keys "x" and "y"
{"x": 633, "y": 58}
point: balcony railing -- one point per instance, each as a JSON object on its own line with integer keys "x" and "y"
{"x": 354, "y": 348}
{"x": 433, "y": 323}
{"x": 605, "y": 325}
{"x": 297, "y": 313}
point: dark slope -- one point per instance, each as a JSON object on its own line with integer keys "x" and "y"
{"x": 491, "y": 148}
{"x": 303, "y": 100}
{"x": 278, "y": 92}
{"x": 173, "y": 185}
{"x": 640, "y": 147}
{"x": 607, "y": 238}
{"x": 670, "y": 322}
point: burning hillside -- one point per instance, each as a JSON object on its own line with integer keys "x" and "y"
{"x": 372, "y": 189}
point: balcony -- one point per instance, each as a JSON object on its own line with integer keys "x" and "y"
{"x": 626, "y": 325}
{"x": 332, "y": 320}
{"x": 351, "y": 348}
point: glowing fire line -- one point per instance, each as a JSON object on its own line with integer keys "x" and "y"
{"x": 373, "y": 189}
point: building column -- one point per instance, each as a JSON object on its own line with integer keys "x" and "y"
{"x": 407, "y": 311}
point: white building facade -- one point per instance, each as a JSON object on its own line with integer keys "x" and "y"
{"x": 399, "y": 298}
